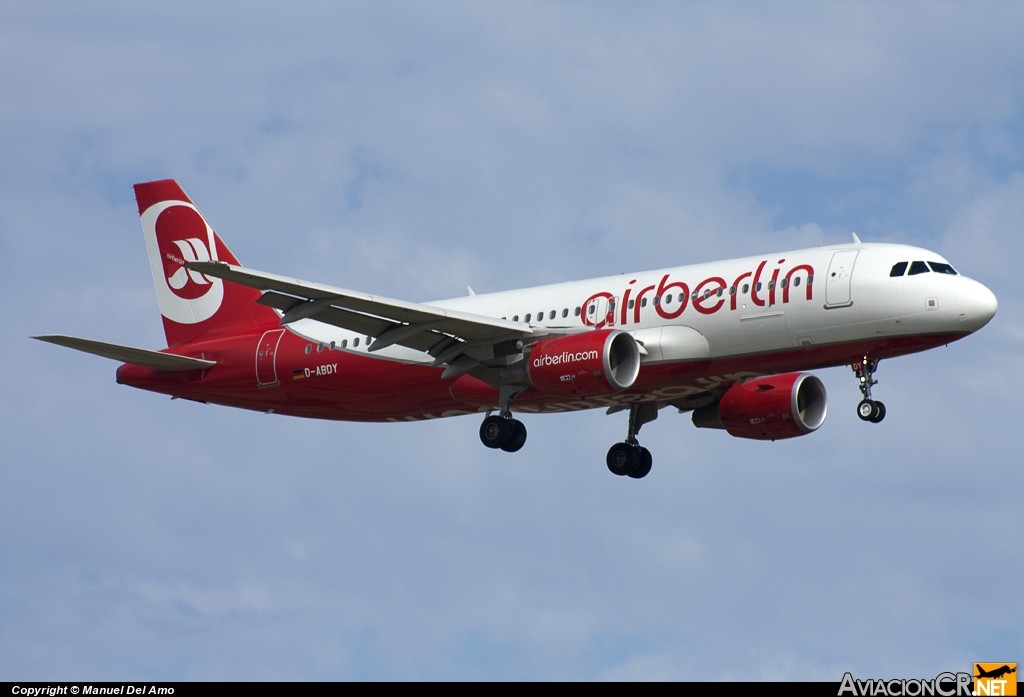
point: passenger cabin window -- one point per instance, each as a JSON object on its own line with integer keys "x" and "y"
{"x": 565, "y": 312}
{"x": 344, "y": 343}
{"x": 917, "y": 267}
{"x": 898, "y": 269}
{"x": 551, "y": 315}
{"x": 309, "y": 347}
{"x": 631, "y": 303}
{"x": 577, "y": 312}
{"x": 355, "y": 342}
{"x": 515, "y": 318}
{"x": 939, "y": 267}
{"x": 527, "y": 318}
{"x": 746, "y": 287}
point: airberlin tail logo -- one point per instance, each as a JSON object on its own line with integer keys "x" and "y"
{"x": 176, "y": 235}
{"x": 184, "y": 282}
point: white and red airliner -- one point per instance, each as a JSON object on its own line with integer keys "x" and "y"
{"x": 723, "y": 340}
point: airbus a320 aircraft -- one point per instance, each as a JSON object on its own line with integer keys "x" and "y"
{"x": 722, "y": 340}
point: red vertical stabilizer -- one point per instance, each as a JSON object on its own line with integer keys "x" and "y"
{"x": 193, "y": 306}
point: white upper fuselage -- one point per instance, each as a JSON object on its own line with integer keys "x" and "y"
{"x": 808, "y": 297}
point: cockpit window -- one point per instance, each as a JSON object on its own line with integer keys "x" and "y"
{"x": 939, "y": 267}
{"x": 899, "y": 269}
{"x": 917, "y": 267}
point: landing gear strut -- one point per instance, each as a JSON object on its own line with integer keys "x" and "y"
{"x": 629, "y": 458}
{"x": 868, "y": 409}
{"x": 501, "y": 431}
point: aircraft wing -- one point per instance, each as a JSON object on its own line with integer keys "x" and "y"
{"x": 127, "y": 354}
{"x": 450, "y": 336}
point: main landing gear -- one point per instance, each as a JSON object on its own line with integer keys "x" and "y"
{"x": 629, "y": 458}
{"x": 501, "y": 431}
{"x": 868, "y": 409}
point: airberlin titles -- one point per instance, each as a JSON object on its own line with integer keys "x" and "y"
{"x": 671, "y": 298}
{"x": 566, "y": 357}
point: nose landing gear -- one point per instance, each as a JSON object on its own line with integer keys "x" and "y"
{"x": 868, "y": 409}
{"x": 629, "y": 458}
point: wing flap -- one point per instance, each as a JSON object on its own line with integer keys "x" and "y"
{"x": 353, "y": 321}
{"x": 127, "y": 354}
{"x": 358, "y": 322}
{"x": 465, "y": 325}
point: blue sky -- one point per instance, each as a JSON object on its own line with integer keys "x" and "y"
{"x": 410, "y": 149}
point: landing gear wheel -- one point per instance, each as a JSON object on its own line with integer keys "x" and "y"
{"x": 879, "y": 413}
{"x": 497, "y": 431}
{"x": 870, "y": 410}
{"x": 622, "y": 459}
{"x": 643, "y": 467}
{"x": 518, "y": 438}
{"x": 866, "y": 410}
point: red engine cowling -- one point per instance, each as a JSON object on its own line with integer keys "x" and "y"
{"x": 770, "y": 408}
{"x": 589, "y": 364}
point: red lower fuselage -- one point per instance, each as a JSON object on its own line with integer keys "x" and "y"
{"x": 343, "y": 385}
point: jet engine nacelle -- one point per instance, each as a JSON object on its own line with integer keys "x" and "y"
{"x": 769, "y": 408}
{"x": 589, "y": 364}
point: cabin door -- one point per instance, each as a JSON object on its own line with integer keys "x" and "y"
{"x": 598, "y": 312}
{"x": 266, "y": 358}
{"x": 837, "y": 281}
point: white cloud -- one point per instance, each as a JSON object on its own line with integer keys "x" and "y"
{"x": 207, "y": 601}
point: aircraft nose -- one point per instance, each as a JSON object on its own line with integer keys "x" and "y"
{"x": 975, "y": 304}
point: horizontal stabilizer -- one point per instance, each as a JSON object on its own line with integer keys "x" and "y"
{"x": 126, "y": 354}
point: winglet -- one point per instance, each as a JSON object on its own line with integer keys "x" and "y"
{"x": 856, "y": 240}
